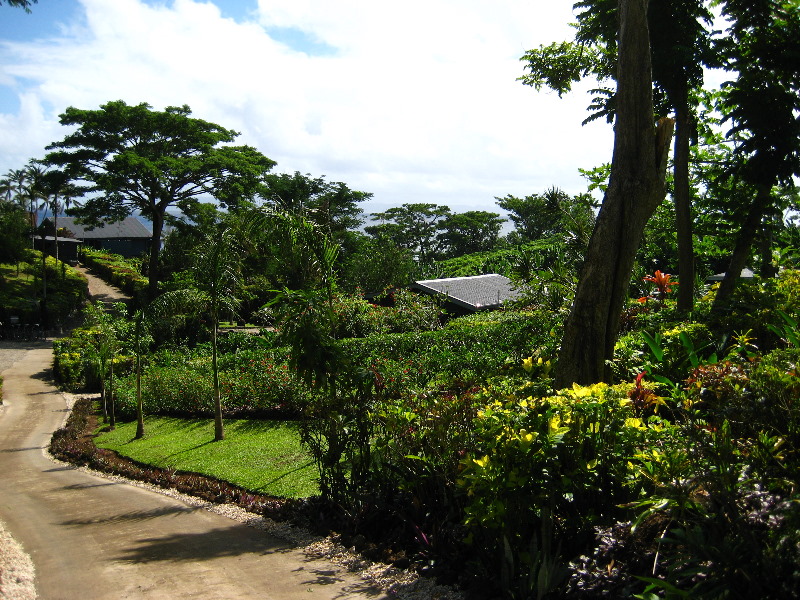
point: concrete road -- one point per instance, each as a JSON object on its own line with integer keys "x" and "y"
{"x": 92, "y": 538}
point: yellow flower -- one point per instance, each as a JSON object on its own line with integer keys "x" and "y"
{"x": 481, "y": 462}
{"x": 527, "y": 364}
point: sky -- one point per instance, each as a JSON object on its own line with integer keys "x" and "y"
{"x": 414, "y": 101}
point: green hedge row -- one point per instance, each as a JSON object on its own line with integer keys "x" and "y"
{"x": 116, "y": 270}
{"x": 256, "y": 377}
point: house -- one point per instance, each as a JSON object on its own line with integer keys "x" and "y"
{"x": 128, "y": 237}
{"x": 470, "y": 294}
{"x": 68, "y": 248}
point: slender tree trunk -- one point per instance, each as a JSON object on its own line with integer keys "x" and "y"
{"x": 636, "y": 188}
{"x": 744, "y": 243}
{"x": 103, "y": 400}
{"x": 55, "y": 226}
{"x": 219, "y": 432}
{"x": 155, "y": 250}
{"x": 139, "y": 404}
{"x": 113, "y": 414}
{"x": 683, "y": 205}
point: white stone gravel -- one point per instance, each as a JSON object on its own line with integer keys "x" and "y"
{"x": 16, "y": 570}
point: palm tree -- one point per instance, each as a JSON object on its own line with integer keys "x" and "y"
{"x": 57, "y": 192}
{"x": 216, "y": 276}
{"x": 6, "y": 188}
{"x": 30, "y": 185}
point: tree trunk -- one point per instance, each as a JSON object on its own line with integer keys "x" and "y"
{"x": 139, "y": 404}
{"x": 155, "y": 250}
{"x": 683, "y": 205}
{"x": 636, "y": 187}
{"x": 744, "y": 242}
{"x": 112, "y": 423}
{"x": 219, "y": 432}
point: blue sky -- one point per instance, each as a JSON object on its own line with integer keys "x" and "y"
{"x": 414, "y": 102}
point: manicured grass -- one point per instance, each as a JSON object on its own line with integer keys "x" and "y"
{"x": 261, "y": 456}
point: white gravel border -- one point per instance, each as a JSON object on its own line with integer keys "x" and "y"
{"x": 17, "y": 574}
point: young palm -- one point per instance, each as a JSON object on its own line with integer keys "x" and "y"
{"x": 216, "y": 272}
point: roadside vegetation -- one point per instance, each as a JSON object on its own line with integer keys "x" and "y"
{"x": 38, "y": 291}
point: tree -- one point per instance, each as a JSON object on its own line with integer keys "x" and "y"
{"x": 23, "y": 4}
{"x": 636, "y": 187}
{"x": 14, "y": 226}
{"x": 55, "y": 189}
{"x": 106, "y": 322}
{"x": 681, "y": 46}
{"x": 377, "y": 264}
{"x": 130, "y": 158}
{"x": 215, "y": 277}
{"x": 413, "y": 226}
{"x": 762, "y": 104}
{"x": 552, "y": 213}
{"x": 469, "y": 232}
{"x": 331, "y": 205}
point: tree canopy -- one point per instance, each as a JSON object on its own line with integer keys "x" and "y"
{"x": 134, "y": 158}
{"x": 23, "y": 4}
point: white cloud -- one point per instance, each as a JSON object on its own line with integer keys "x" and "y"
{"x": 416, "y": 102}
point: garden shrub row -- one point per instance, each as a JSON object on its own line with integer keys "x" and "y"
{"x": 116, "y": 270}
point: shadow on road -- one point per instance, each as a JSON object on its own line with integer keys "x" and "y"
{"x": 221, "y": 542}
{"x": 133, "y": 516}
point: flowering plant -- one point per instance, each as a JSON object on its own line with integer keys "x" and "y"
{"x": 662, "y": 282}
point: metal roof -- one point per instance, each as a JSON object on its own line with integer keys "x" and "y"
{"x": 128, "y": 228}
{"x": 745, "y": 274}
{"x": 473, "y": 293}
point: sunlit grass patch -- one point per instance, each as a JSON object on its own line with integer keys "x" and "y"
{"x": 261, "y": 456}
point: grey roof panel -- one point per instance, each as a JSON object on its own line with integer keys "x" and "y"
{"x": 128, "y": 228}
{"x": 474, "y": 293}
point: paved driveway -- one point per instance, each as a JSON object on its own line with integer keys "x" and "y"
{"x": 91, "y": 537}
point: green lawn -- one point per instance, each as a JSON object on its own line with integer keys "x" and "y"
{"x": 261, "y": 456}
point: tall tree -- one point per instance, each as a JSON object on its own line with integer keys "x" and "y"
{"x": 414, "y": 226}
{"x": 636, "y": 187}
{"x": 763, "y": 106}
{"x": 469, "y": 232}
{"x": 131, "y": 158}
{"x": 553, "y": 213}
{"x": 333, "y": 206}
{"x": 56, "y": 191}
{"x": 376, "y": 264}
{"x": 215, "y": 276}
{"x": 681, "y": 47}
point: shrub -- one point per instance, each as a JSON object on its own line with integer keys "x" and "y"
{"x": 542, "y": 473}
{"x": 252, "y": 385}
{"x": 125, "y": 273}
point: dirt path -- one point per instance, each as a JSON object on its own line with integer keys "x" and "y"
{"x": 100, "y": 290}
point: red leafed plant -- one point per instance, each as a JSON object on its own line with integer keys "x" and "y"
{"x": 662, "y": 282}
{"x": 643, "y": 398}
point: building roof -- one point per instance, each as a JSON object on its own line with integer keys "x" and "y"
{"x": 472, "y": 293}
{"x": 128, "y": 228}
{"x": 745, "y": 274}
